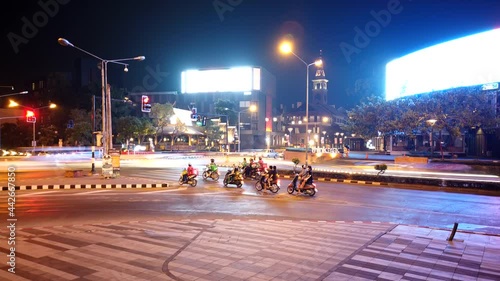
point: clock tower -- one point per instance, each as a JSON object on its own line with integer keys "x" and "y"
{"x": 320, "y": 89}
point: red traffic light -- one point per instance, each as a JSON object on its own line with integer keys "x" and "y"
{"x": 146, "y": 105}
{"x": 30, "y": 113}
{"x": 30, "y": 116}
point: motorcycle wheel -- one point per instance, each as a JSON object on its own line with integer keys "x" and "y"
{"x": 194, "y": 182}
{"x": 258, "y": 186}
{"x": 215, "y": 176}
{"x": 312, "y": 192}
{"x": 274, "y": 188}
{"x": 290, "y": 190}
{"x": 239, "y": 185}
{"x": 180, "y": 181}
{"x": 205, "y": 175}
{"x": 225, "y": 183}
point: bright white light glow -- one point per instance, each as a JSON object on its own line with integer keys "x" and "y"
{"x": 467, "y": 61}
{"x": 239, "y": 79}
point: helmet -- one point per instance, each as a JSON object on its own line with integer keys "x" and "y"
{"x": 189, "y": 164}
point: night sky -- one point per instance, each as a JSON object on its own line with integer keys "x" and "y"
{"x": 177, "y": 35}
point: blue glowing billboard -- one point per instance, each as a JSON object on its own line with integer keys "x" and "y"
{"x": 467, "y": 61}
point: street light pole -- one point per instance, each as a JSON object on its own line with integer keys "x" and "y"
{"x": 33, "y": 143}
{"x": 239, "y": 131}
{"x": 15, "y": 104}
{"x": 106, "y": 92}
{"x": 14, "y": 94}
{"x": 432, "y": 122}
{"x": 286, "y": 47}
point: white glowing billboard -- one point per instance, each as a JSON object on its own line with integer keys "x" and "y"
{"x": 237, "y": 79}
{"x": 467, "y": 61}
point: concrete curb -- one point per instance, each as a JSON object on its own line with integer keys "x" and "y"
{"x": 86, "y": 186}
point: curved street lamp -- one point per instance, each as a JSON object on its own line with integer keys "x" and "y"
{"x": 251, "y": 108}
{"x": 106, "y": 93}
{"x": 431, "y": 122}
{"x": 286, "y": 47}
{"x": 13, "y": 103}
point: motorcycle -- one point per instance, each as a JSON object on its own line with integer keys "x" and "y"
{"x": 207, "y": 173}
{"x": 274, "y": 187}
{"x": 233, "y": 179}
{"x": 254, "y": 173}
{"x": 309, "y": 189}
{"x": 191, "y": 180}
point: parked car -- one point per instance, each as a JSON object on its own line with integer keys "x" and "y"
{"x": 269, "y": 153}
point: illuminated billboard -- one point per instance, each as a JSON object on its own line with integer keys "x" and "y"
{"x": 467, "y": 61}
{"x": 237, "y": 79}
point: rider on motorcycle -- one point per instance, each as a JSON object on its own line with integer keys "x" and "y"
{"x": 264, "y": 179}
{"x": 212, "y": 167}
{"x": 244, "y": 164}
{"x": 302, "y": 174}
{"x": 262, "y": 165}
{"x": 251, "y": 166}
{"x": 307, "y": 179}
{"x": 233, "y": 174}
{"x": 273, "y": 175}
{"x": 188, "y": 173}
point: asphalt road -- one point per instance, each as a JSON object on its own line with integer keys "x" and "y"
{"x": 210, "y": 200}
{"x": 424, "y": 206}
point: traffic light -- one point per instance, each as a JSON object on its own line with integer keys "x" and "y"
{"x": 193, "y": 113}
{"x": 146, "y": 104}
{"x": 30, "y": 116}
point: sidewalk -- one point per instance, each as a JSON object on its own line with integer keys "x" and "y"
{"x": 249, "y": 250}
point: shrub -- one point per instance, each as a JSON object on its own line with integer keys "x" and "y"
{"x": 381, "y": 168}
{"x": 295, "y": 161}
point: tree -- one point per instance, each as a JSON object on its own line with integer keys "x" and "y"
{"x": 365, "y": 120}
{"x": 127, "y": 127}
{"x": 179, "y": 128}
{"x": 213, "y": 132}
{"x": 454, "y": 111}
{"x": 228, "y": 108}
{"x": 145, "y": 128}
{"x": 47, "y": 135}
{"x": 16, "y": 134}
{"x": 81, "y": 133}
{"x": 161, "y": 114}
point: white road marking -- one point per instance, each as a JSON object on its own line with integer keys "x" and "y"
{"x": 92, "y": 192}
{"x": 167, "y": 190}
{"x": 37, "y": 193}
